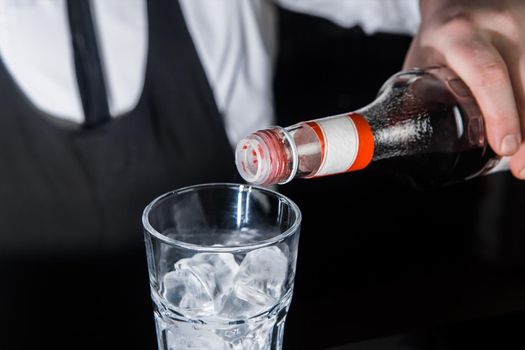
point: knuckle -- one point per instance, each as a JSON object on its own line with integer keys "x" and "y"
{"x": 499, "y": 125}
{"x": 508, "y": 24}
{"x": 492, "y": 73}
{"x": 502, "y": 123}
{"x": 457, "y": 34}
{"x": 457, "y": 18}
{"x": 457, "y": 25}
{"x": 503, "y": 14}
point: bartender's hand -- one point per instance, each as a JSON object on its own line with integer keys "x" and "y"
{"x": 483, "y": 41}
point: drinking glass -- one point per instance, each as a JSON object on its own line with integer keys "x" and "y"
{"x": 222, "y": 260}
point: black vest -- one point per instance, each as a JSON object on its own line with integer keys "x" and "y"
{"x": 72, "y": 269}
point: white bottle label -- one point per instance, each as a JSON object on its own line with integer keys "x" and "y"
{"x": 347, "y": 143}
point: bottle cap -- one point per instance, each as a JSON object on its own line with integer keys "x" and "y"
{"x": 253, "y": 160}
{"x": 267, "y": 157}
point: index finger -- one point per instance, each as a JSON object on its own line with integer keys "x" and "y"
{"x": 484, "y": 71}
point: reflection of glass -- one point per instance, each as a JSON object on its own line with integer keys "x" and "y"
{"x": 221, "y": 261}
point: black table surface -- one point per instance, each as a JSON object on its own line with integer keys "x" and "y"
{"x": 504, "y": 332}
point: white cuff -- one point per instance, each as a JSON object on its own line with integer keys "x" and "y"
{"x": 390, "y": 16}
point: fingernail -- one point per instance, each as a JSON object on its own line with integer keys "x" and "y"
{"x": 509, "y": 145}
{"x": 522, "y": 174}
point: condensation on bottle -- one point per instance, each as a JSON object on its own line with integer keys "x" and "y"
{"x": 424, "y": 124}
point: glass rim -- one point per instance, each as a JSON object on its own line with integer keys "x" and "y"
{"x": 223, "y": 249}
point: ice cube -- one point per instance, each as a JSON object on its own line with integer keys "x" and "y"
{"x": 201, "y": 283}
{"x": 190, "y": 336}
{"x": 185, "y": 290}
{"x": 261, "y": 276}
{"x": 224, "y": 268}
{"x": 237, "y": 308}
{"x": 259, "y": 283}
{"x": 252, "y": 336}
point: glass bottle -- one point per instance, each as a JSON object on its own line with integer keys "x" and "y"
{"x": 424, "y": 124}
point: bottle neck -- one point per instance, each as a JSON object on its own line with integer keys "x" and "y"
{"x": 310, "y": 149}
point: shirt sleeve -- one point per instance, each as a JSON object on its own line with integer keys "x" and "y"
{"x": 390, "y": 16}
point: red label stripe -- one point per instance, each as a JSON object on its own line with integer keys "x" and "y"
{"x": 320, "y": 135}
{"x": 365, "y": 152}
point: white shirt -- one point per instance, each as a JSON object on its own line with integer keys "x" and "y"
{"x": 235, "y": 41}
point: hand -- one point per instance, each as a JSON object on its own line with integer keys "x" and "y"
{"x": 483, "y": 41}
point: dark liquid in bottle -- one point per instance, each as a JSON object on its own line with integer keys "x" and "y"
{"x": 451, "y": 158}
{"x": 428, "y": 134}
